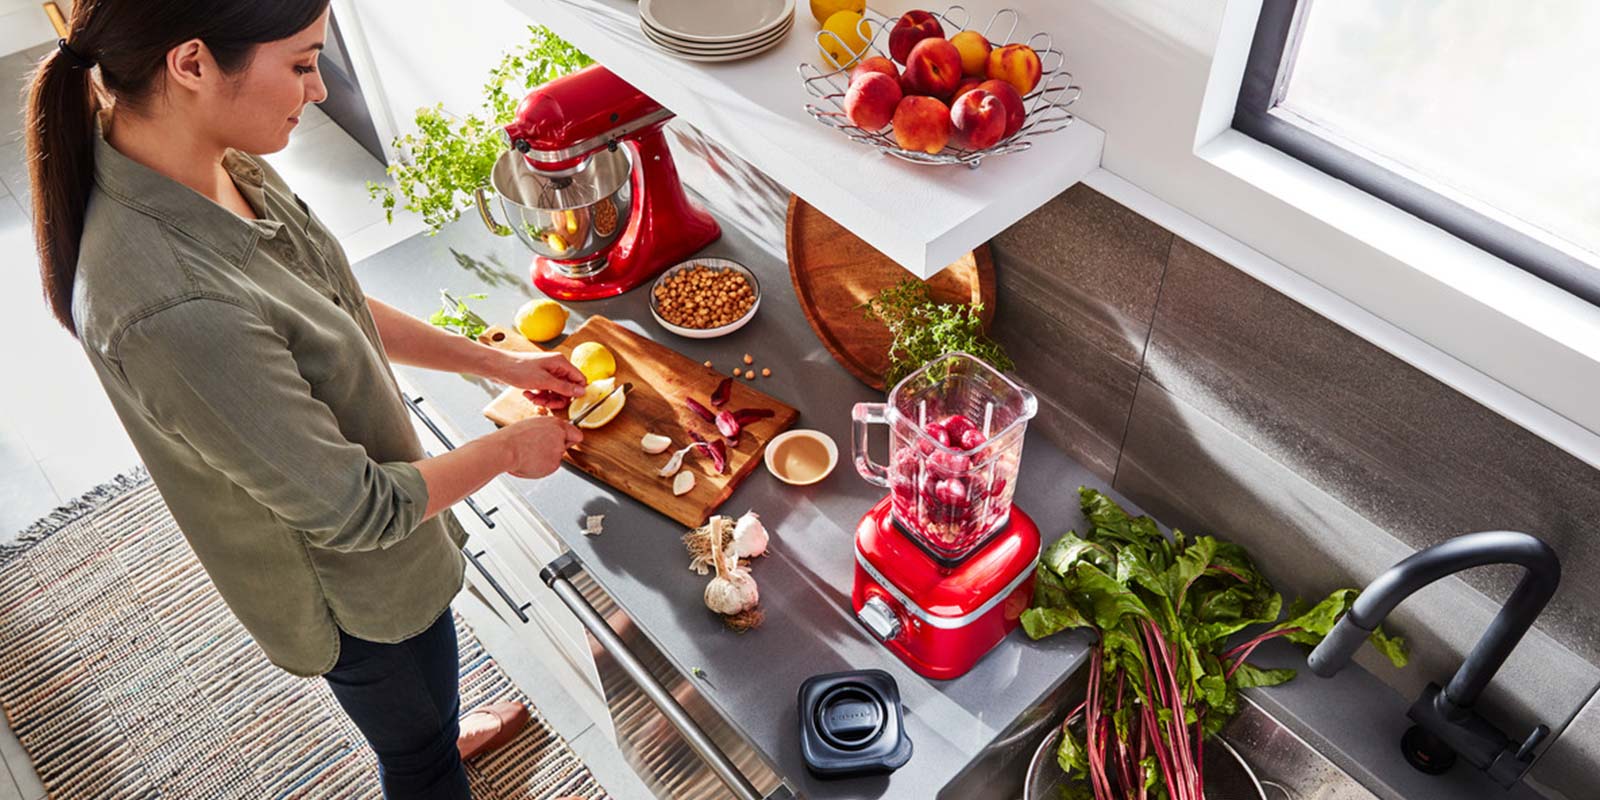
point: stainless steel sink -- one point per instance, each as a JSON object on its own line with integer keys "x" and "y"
{"x": 1285, "y": 764}
{"x": 1285, "y": 767}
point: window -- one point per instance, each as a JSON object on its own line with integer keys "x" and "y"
{"x": 1482, "y": 118}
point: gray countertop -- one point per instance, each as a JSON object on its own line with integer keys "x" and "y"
{"x": 805, "y": 581}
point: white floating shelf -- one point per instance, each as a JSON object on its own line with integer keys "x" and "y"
{"x": 924, "y": 217}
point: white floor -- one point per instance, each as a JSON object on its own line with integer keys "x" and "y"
{"x": 59, "y": 436}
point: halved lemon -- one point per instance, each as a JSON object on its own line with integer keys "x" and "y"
{"x": 596, "y": 393}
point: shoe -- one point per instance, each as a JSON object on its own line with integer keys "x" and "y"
{"x": 488, "y": 727}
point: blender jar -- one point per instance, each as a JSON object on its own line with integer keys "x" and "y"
{"x": 956, "y": 429}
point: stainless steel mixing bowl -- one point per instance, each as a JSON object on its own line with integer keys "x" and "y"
{"x": 571, "y": 217}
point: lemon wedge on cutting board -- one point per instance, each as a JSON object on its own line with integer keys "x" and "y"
{"x": 596, "y": 393}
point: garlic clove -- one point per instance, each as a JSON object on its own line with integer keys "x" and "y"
{"x": 683, "y": 483}
{"x": 655, "y": 443}
{"x": 750, "y": 537}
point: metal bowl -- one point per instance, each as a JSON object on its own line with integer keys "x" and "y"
{"x": 573, "y": 216}
{"x": 1047, "y": 105}
{"x": 706, "y": 333}
{"x": 1227, "y": 776}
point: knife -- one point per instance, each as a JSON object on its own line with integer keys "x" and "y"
{"x": 624, "y": 388}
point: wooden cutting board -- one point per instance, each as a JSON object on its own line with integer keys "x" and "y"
{"x": 661, "y": 379}
{"x": 835, "y": 272}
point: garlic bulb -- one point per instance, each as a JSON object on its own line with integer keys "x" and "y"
{"x": 749, "y": 536}
{"x": 732, "y": 591}
{"x": 655, "y": 443}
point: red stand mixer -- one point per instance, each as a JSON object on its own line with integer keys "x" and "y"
{"x": 590, "y": 186}
{"x": 945, "y": 563}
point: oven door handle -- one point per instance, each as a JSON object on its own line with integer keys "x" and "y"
{"x": 558, "y": 576}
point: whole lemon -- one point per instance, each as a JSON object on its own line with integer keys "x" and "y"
{"x": 822, "y": 9}
{"x": 842, "y": 52}
{"x": 594, "y": 361}
{"x": 541, "y": 320}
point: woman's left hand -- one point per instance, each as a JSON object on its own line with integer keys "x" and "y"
{"x": 550, "y": 378}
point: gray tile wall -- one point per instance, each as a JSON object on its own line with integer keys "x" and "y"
{"x": 1226, "y": 407}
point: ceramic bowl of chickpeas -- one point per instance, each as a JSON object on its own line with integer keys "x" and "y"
{"x": 705, "y": 298}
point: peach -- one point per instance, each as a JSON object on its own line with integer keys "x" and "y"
{"x": 913, "y": 27}
{"x": 875, "y": 64}
{"x": 922, "y": 123}
{"x": 1017, "y": 65}
{"x": 933, "y": 68}
{"x": 979, "y": 120}
{"x": 966, "y": 85}
{"x": 872, "y": 99}
{"x": 974, "y": 51}
{"x": 1016, "y": 112}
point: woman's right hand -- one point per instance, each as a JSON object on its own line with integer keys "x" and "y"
{"x": 536, "y": 444}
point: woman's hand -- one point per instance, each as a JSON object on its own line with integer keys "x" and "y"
{"x": 535, "y": 445}
{"x": 549, "y": 378}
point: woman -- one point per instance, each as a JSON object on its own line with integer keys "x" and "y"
{"x": 253, "y": 375}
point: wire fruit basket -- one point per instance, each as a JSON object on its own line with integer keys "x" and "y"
{"x": 1046, "y": 105}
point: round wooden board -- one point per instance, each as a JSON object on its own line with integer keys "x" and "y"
{"x": 834, "y": 273}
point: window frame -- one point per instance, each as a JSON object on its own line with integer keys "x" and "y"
{"x": 1272, "y": 51}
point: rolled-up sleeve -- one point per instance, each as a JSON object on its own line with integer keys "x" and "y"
{"x": 217, "y": 375}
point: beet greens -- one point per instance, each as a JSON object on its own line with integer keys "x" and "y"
{"x": 1162, "y": 677}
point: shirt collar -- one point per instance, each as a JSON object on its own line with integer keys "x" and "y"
{"x": 143, "y": 189}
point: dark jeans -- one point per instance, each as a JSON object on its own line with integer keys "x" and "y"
{"x": 405, "y": 699}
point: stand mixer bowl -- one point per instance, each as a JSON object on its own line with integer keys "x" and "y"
{"x": 571, "y": 217}
{"x": 956, "y": 432}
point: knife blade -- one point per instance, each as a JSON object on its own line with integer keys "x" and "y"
{"x": 624, "y": 388}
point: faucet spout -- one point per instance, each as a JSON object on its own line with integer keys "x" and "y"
{"x": 1445, "y": 715}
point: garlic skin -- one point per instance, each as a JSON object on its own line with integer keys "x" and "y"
{"x": 655, "y": 443}
{"x": 750, "y": 537}
{"x": 732, "y": 593}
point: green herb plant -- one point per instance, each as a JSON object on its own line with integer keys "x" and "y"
{"x": 1162, "y": 677}
{"x": 924, "y": 330}
{"x": 451, "y": 157}
{"x": 454, "y": 315}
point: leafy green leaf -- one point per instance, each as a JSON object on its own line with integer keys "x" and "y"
{"x": 1110, "y": 601}
{"x": 1249, "y": 676}
{"x": 1392, "y": 647}
{"x": 1041, "y": 622}
{"x": 1070, "y": 755}
{"x": 1311, "y": 625}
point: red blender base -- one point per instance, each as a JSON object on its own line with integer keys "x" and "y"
{"x": 948, "y": 617}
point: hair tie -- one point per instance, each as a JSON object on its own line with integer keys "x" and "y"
{"x": 78, "y": 61}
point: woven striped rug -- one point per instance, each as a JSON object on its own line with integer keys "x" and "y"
{"x": 124, "y": 676}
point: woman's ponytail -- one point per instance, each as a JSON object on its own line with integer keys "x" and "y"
{"x": 62, "y": 104}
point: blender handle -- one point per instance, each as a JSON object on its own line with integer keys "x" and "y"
{"x": 862, "y": 417}
{"x": 482, "y": 199}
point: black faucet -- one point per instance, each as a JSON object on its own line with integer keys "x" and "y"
{"x": 1445, "y": 722}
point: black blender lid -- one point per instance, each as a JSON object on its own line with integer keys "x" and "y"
{"x": 851, "y": 723}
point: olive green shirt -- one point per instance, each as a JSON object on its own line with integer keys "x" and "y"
{"x": 244, "y": 363}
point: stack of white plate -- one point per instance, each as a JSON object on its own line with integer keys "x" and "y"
{"x": 716, "y": 30}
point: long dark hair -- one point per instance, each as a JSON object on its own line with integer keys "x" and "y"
{"x": 128, "y": 41}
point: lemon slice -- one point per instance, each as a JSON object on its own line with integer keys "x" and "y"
{"x": 596, "y": 393}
